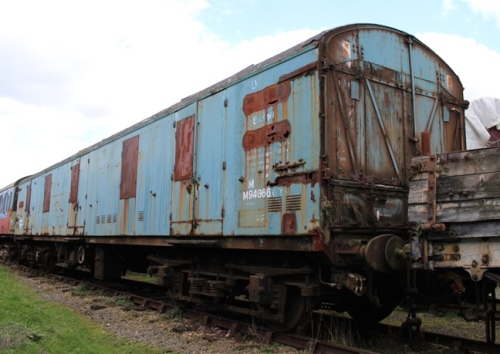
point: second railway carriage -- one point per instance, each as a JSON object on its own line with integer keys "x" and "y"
{"x": 279, "y": 188}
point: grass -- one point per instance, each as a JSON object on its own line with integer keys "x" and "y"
{"x": 145, "y": 278}
{"x": 29, "y": 324}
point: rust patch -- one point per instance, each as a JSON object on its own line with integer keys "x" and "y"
{"x": 290, "y": 166}
{"x": 309, "y": 177}
{"x": 260, "y": 100}
{"x": 184, "y": 149}
{"x": 28, "y": 198}
{"x": 267, "y": 135}
{"x": 46, "y": 195}
{"x": 426, "y": 143}
{"x": 75, "y": 175}
{"x": 130, "y": 160}
{"x": 289, "y": 224}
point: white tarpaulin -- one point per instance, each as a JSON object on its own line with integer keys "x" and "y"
{"x": 483, "y": 113}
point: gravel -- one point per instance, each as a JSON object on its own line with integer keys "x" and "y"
{"x": 171, "y": 333}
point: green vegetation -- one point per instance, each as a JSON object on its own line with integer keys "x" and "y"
{"x": 145, "y": 278}
{"x": 124, "y": 301}
{"x": 29, "y": 324}
{"x": 81, "y": 290}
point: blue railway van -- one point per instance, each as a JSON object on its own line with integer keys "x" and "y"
{"x": 284, "y": 184}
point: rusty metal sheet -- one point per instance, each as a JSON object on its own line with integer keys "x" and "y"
{"x": 46, "y": 195}
{"x": 28, "y": 198}
{"x": 74, "y": 227}
{"x": 271, "y": 95}
{"x": 130, "y": 159}
{"x": 75, "y": 176}
{"x": 267, "y": 135}
{"x": 184, "y": 149}
{"x": 289, "y": 224}
{"x": 281, "y": 146}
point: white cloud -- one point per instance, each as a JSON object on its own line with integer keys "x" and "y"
{"x": 448, "y": 6}
{"x": 472, "y": 61}
{"x": 74, "y": 73}
{"x": 487, "y": 8}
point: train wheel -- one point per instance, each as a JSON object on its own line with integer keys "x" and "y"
{"x": 294, "y": 311}
{"x": 80, "y": 255}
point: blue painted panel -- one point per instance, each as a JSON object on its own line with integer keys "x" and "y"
{"x": 209, "y": 164}
{"x": 382, "y": 47}
{"x": 182, "y": 195}
{"x": 54, "y": 221}
{"x": 253, "y": 205}
{"x": 104, "y": 190}
{"x": 156, "y": 162}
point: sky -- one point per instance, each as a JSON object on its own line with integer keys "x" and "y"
{"x": 75, "y": 72}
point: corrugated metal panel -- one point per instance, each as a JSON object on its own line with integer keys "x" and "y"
{"x": 182, "y": 187}
{"x": 281, "y": 146}
{"x": 156, "y": 165}
{"x": 210, "y": 171}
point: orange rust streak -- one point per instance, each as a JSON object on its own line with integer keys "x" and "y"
{"x": 260, "y": 100}
{"x": 267, "y": 135}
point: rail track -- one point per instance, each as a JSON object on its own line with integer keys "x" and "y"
{"x": 148, "y": 296}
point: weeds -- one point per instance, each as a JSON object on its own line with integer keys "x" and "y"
{"x": 81, "y": 290}
{"x": 176, "y": 312}
{"x": 124, "y": 301}
{"x": 12, "y": 336}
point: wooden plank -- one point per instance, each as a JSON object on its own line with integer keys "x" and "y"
{"x": 468, "y": 187}
{"x": 476, "y": 186}
{"x": 470, "y": 162}
{"x": 489, "y": 228}
{"x": 417, "y": 213}
{"x": 418, "y": 192}
{"x": 470, "y": 210}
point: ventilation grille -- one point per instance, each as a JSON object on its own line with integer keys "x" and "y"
{"x": 293, "y": 202}
{"x": 274, "y": 204}
{"x": 103, "y": 219}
